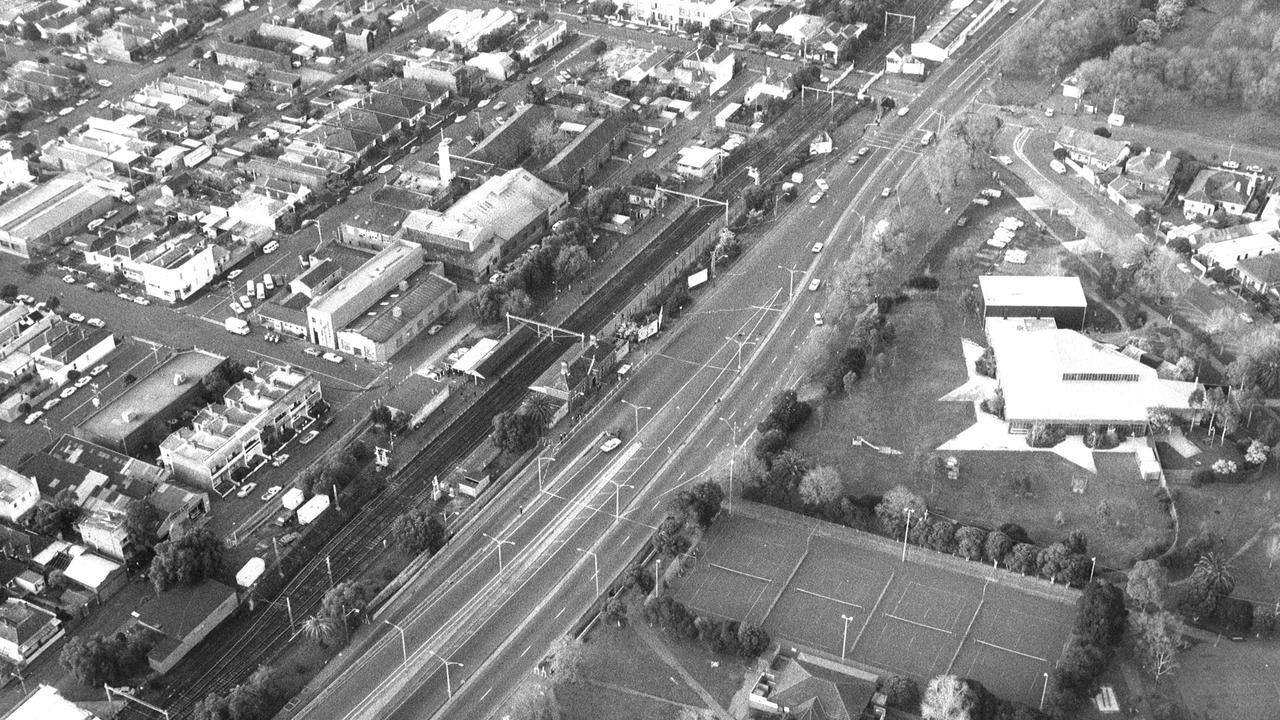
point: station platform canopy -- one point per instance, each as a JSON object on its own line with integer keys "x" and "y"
{"x": 471, "y": 360}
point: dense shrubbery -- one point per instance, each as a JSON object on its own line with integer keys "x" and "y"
{"x": 1100, "y": 624}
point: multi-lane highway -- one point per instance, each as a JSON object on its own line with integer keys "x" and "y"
{"x": 495, "y": 619}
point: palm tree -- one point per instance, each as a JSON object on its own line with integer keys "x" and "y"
{"x": 541, "y": 408}
{"x": 321, "y": 628}
{"x": 1216, "y": 573}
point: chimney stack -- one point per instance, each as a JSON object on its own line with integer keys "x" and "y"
{"x": 446, "y": 167}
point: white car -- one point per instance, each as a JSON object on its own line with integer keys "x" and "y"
{"x": 484, "y": 103}
{"x": 817, "y": 247}
{"x": 67, "y": 392}
{"x": 311, "y": 351}
{"x": 69, "y": 279}
{"x": 158, "y": 60}
{"x": 234, "y": 274}
{"x": 51, "y": 403}
{"x": 98, "y": 370}
{"x": 271, "y": 492}
{"x": 99, "y": 61}
{"x": 815, "y": 198}
{"x": 435, "y": 329}
{"x": 1246, "y": 317}
{"x": 32, "y": 418}
{"x": 817, "y": 319}
{"x": 84, "y": 380}
{"x": 823, "y": 185}
{"x": 853, "y": 159}
{"x": 1184, "y": 268}
{"x": 246, "y": 490}
{"x": 610, "y": 445}
{"x": 96, "y": 322}
{"x": 104, "y": 104}
{"x": 649, "y": 152}
{"x": 76, "y": 317}
{"x": 1048, "y": 112}
{"x": 141, "y": 301}
{"x": 334, "y": 358}
{"x": 306, "y": 439}
{"x": 902, "y": 111}
{"x": 279, "y": 460}
{"x": 237, "y": 308}
{"x": 104, "y": 82}
{"x": 459, "y": 119}
{"x": 270, "y": 247}
{"x": 863, "y": 151}
{"x": 66, "y": 111}
{"x": 886, "y": 192}
{"x": 814, "y": 284}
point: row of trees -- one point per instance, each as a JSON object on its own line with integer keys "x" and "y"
{"x": 112, "y": 659}
{"x": 258, "y": 698}
{"x": 726, "y": 637}
{"x": 961, "y": 157}
{"x": 1100, "y": 624}
{"x": 1064, "y": 33}
{"x": 561, "y": 258}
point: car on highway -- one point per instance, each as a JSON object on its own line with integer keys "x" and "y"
{"x": 902, "y": 111}
{"x": 76, "y": 317}
{"x": 96, "y": 322}
{"x": 817, "y": 319}
{"x": 817, "y": 247}
{"x": 246, "y": 490}
{"x": 67, "y": 392}
{"x": 649, "y": 152}
{"x": 814, "y": 284}
{"x": 610, "y": 445}
{"x": 334, "y": 358}
{"x": 104, "y": 82}
{"x": 306, "y": 439}
{"x": 141, "y": 301}
{"x": 815, "y": 198}
{"x": 313, "y": 352}
{"x": 98, "y": 370}
{"x": 234, "y": 274}
{"x": 280, "y": 459}
{"x": 32, "y": 418}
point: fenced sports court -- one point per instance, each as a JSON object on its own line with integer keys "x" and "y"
{"x": 840, "y": 592}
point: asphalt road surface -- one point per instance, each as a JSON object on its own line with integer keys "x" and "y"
{"x": 496, "y": 618}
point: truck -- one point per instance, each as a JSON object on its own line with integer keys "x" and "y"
{"x": 312, "y": 509}
{"x": 236, "y": 326}
{"x": 293, "y": 499}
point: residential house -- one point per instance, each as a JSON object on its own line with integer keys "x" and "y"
{"x": 247, "y": 58}
{"x": 741, "y": 19}
{"x": 19, "y": 494}
{"x": 1227, "y": 247}
{"x": 1260, "y": 273}
{"x": 536, "y": 42}
{"x": 510, "y": 143}
{"x": 900, "y": 61}
{"x": 699, "y": 162}
{"x": 496, "y": 65}
{"x": 1216, "y": 189}
{"x": 1145, "y": 183}
{"x": 26, "y": 631}
{"x": 1089, "y": 150}
{"x": 803, "y": 686}
{"x": 677, "y": 14}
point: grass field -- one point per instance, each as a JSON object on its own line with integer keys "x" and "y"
{"x": 848, "y": 594}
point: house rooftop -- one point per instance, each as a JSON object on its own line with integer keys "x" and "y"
{"x": 150, "y": 393}
{"x": 382, "y": 323}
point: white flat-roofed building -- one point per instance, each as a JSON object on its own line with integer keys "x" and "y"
{"x": 354, "y": 294}
{"x": 46, "y": 703}
{"x": 699, "y": 162}
{"x": 1034, "y": 296}
{"x": 19, "y": 494}
{"x": 677, "y": 13}
{"x": 177, "y": 268}
{"x": 44, "y": 215}
{"x": 466, "y": 27}
{"x": 230, "y": 435}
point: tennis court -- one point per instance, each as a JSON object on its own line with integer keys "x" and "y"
{"x": 931, "y": 615}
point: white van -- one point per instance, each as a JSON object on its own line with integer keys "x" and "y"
{"x": 927, "y": 138}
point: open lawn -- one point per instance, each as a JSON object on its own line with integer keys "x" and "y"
{"x": 848, "y": 594}
{"x": 1247, "y": 518}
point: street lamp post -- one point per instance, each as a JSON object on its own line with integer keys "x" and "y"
{"x": 733, "y": 453}
{"x": 595, "y": 567}
{"x": 617, "y": 491}
{"x": 741, "y": 344}
{"x": 541, "y": 458}
{"x": 791, "y": 290}
{"x": 1044, "y": 691}
{"x": 499, "y": 543}
{"x": 844, "y": 643}
{"x": 637, "y": 409}
{"x": 904, "y": 535}
{"x": 1093, "y": 565}
{"x": 448, "y": 682}
{"x": 404, "y": 646}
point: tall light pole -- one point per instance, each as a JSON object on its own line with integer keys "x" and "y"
{"x": 404, "y": 646}
{"x": 844, "y": 643}
{"x": 793, "y": 272}
{"x": 1093, "y": 565}
{"x": 499, "y": 543}
{"x": 904, "y": 535}
{"x": 637, "y": 409}
{"x": 595, "y": 567}
{"x": 1045, "y": 691}
{"x": 733, "y": 453}
{"x": 741, "y": 344}
{"x": 541, "y": 458}
{"x": 448, "y": 682}
{"x": 617, "y": 491}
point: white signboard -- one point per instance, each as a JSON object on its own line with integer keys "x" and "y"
{"x": 647, "y": 331}
{"x": 697, "y": 278}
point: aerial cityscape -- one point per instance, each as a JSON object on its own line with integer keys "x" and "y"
{"x": 639, "y": 359}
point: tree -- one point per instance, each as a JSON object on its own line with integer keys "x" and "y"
{"x": 418, "y": 531}
{"x": 1157, "y": 636}
{"x": 540, "y": 407}
{"x": 1214, "y": 575}
{"x": 546, "y": 139}
{"x": 188, "y": 560}
{"x": 753, "y": 640}
{"x": 346, "y": 601}
{"x": 1156, "y": 274}
{"x": 669, "y": 539}
{"x": 821, "y": 486}
{"x": 996, "y": 547}
{"x": 700, "y": 504}
{"x": 962, "y": 156}
{"x": 893, "y": 507}
{"x": 970, "y": 542}
{"x": 1257, "y": 363}
{"x": 787, "y": 413}
{"x": 1052, "y": 561}
{"x": 488, "y": 304}
{"x": 942, "y": 536}
{"x": 1022, "y": 559}
{"x": 141, "y": 523}
{"x": 322, "y": 630}
{"x": 56, "y": 518}
{"x": 92, "y": 661}
{"x": 1100, "y": 614}
{"x": 514, "y": 431}
{"x": 517, "y": 302}
{"x": 598, "y": 47}
{"x": 1147, "y": 584}
{"x": 948, "y": 697}
{"x": 900, "y": 692}
{"x": 571, "y": 262}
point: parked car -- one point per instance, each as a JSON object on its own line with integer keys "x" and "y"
{"x": 886, "y": 192}
{"x": 280, "y": 459}
{"x": 96, "y": 322}
{"x": 306, "y": 439}
{"x": 98, "y": 370}
{"x": 32, "y": 418}
{"x": 84, "y": 380}
{"x": 313, "y": 352}
{"x": 234, "y": 274}
{"x": 76, "y": 317}
{"x": 649, "y": 152}
{"x": 270, "y": 247}
{"x": 69, "y": 279}
{"x": 246, "y": 490}
{"x": 334, "y": 358}
{"x": 434, "y": 329}
{"x": 67, "y": 392}
{"x": 817, "y": 247}
{"x": 51, "y": 403}
{"x": 817, "y": 319}
{"x": 610, "y": 445}
{"x": 814, "y": 284}
{"x": 104, "y": 82}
